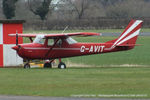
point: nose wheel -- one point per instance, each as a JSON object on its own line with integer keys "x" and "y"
{"x": 27, "y": 65}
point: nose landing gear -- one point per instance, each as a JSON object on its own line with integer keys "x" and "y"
{"x": 27, "y": 65}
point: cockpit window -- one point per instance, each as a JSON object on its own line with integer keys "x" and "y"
{"x": 39, "y": 39}
{"x": 50, "y": 42}
{"x": 71, "y": 40}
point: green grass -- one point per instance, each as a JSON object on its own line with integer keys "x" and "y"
{"x": 75, "y": 81}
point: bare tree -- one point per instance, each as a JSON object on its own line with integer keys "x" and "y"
{"x": 79, "y": 6}
{"x": 23, "y": 11}
{"x": 40, "y": 7}
{"x": 117, "y": 11}
{"x": 128, "y": 8}
{"x": 109, "y": 2}
{"x": 1, "y": 10}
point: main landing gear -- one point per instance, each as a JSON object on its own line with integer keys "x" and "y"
{"x": 61, "y": 65}
{"x": 47, "y": 64}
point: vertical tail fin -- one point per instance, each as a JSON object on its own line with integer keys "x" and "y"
{"x": 129, "y": 35}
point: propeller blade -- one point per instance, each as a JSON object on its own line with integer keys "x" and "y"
{"x": 16, "y": 38}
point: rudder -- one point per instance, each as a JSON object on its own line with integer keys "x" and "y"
{"x": 129, "y": 35}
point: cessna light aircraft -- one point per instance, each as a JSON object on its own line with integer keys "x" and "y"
{"x": 57, "y": 46}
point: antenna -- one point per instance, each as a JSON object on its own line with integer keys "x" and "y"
{"x": 65, "y": 29}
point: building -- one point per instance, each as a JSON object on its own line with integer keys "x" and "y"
{"x": 8, "y": 56}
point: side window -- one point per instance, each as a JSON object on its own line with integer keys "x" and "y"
{"x": 71, "y": 40}
{"x": 59, "y": 42}
{"x": 50, "y": 42}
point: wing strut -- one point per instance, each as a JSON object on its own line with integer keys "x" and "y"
{"x": 51, "y": 48}
{"x": 31, "y": 39}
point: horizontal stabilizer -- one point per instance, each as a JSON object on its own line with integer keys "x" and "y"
{"x": 128, "y": 45}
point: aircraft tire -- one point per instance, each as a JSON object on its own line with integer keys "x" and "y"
{"x": 47, "y": 65}
{"x": 62, "y": 65}
{"x": 26, "y": 66}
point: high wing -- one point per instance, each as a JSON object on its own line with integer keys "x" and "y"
{"x": 73, "y": 34}
{"x": 23, "y": 35}
{"x": 59, "y": 35}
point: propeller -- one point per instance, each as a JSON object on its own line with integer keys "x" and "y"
{"x": 16, "y": 38}
{"x": 17, "y": 46}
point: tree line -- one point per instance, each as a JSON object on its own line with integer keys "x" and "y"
{"x": 62, "y": 12}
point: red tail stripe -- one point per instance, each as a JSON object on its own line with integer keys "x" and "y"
{"x": 129, "y": 25}
{"x": 135, "y": 29}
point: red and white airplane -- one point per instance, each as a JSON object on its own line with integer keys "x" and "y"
{"x": 57, "y": 46}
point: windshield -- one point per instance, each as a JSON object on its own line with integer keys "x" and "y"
{"x": 39, "y": 39}
{"x": 71, "y": 40}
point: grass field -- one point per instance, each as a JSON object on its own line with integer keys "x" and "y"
{"x": 76, "y": 81}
